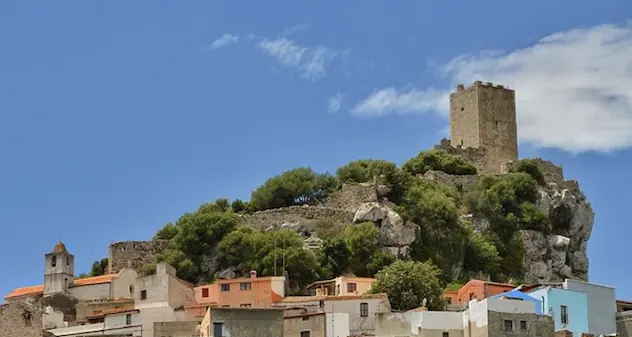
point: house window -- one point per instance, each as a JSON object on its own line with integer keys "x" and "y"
{"x": 247, "y": 305}
{"x": 449, "y": 300}
{"x": 204, "y": 292}
{"x": 27, "y": 318}
{"x": 446, "y": 334}
{"x": 321, "y": 303}
{"x": 304, "y": 333}
{"x": 472, "y": 296}
{"x": 523, "y": 325}
{"x": 306, "y": 318}
{"x": 131, "y": 290}
{"x": 217, "y": 330}
{"x": 508, "y": 325}
{"x": 128, "y": 319}
{"x": 564, "y": 314}
{"x": 225, "y": 287}
{"x": 53, "y": 261}
{"x": 143, "y": 294}
{"x": 364, "y": 309}
{"x": 245, "y": 286}
{"x": 351, "y": 287}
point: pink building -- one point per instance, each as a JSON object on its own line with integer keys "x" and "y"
{"x": 252, "y": 292}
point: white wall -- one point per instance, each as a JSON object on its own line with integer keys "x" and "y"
{"x": 337, "y": 324}
{"x": 91, "y": 292}
{"x": 440, "y": 320}
{"x": 121, "y": 284}
{"x": 602, "y": 307}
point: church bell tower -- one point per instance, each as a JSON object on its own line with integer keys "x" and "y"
{"x": 59, "y": 270}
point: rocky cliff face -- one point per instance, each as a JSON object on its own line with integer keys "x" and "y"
{"x": 554, "y": 255}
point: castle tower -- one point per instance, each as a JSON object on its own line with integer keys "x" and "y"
{"x": 59, "y": 270}
{"x": 484, "y": 115}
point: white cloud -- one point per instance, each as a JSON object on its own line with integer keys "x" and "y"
{"x": 223, "y": 41}
{"x": 311, "y": 63}
{"x": 573, "y": 89}
{"x": 335, "y": 102}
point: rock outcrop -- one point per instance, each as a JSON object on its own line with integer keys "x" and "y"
{"x": 394, "y": 231}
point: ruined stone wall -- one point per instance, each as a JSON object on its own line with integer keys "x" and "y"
{"x": 133, "y": 254}
{"x": 536, "y": 325}
{"x": 476, "y": 156}
{"x": 461, "y": 183}
{"x": 552, "y": 172}
{"x": 624, "y": 324}
{"x": 351, "y": 196}
{"x": 20, "y": 320}
{"x": 271, "y": 217}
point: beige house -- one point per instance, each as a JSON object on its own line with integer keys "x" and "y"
{"x": 360, "y": 308}
{"x": 490, "y": 317}
{"x": 162, "y": 297}
{"x": 340, "y": 286}
{"x": 316, "y": 324}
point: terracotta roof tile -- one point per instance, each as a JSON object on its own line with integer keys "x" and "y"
{"x": 39, "y": 289}
{"x": 94, "y": 280}
{"x": 113, "y": 311}
{"x": 60, "y": 248}
{"x": 25, "y": 291}
{"x": 296, "y": 299}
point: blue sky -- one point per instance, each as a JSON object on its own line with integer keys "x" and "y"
{"x": 117, "y": 117}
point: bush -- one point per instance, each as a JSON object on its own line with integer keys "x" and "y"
{"x": 294, "y": 187}
{"x": 363, "y": 170}
{"x": 438, "y": 160}
{"x": 530, "y": 167}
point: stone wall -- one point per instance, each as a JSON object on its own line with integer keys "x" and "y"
{"x": 624, "y": 324}
{"x": 461, "y": 183}
{"x": 475, "y": 156}
{"x": 351, "y": 196}
{"x": 133, "y": 254}
{"x": 176, "y": 329}
{"x": 272, "y": 217}
{"x": 248, "y": 322}
{"x": 536, "y": 325}
{"x": 552, "y": 172}
{"x": 20, "y": 320}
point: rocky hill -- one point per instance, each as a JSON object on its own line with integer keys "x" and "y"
{"x": 525, "y": 224}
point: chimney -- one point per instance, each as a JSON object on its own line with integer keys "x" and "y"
{"x": 253, "y": 274}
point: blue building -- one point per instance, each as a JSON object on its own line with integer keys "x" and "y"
{"x": 516, "y": 294}
{"x": 569, "y": 308}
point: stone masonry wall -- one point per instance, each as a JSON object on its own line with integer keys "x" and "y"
{"x": 176, "y": 329}
{"x": 537, "y": 325}
{"x": 461, "y": 183}
{"x": 133, "y": 254}
{"x": 475, "y": 156}
{"x": 248, "y": 322}
{"x": 20, "y": 320}
{"x": 552, "y": 172}
{"x": 271, "y": 217}
{"x": 624, "y": 324}
{"x": 351, "y": 196}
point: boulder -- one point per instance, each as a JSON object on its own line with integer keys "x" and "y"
{"x": 394, "y": 231}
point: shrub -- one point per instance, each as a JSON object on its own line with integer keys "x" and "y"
{"x": 438, "y": 160}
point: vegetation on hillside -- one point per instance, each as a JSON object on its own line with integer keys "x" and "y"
{"x": 212, "y": 238}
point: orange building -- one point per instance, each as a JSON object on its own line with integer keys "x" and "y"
{"x": 476, "y": 289}
{"x": 255, "y": 292}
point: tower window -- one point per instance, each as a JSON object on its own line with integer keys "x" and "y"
{"x": 53, "y": 261}
{"x": 67, "y": 261}
{"x": 27, "y": 318}
{"x": 462, "y": 109}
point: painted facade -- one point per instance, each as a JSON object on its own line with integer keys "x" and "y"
{"x": 318, "y": 324}
{"x": 252, "y": 292}
{"x": 115, "y": 323}
{"x": 476, "y": 289}
{"x": 516, "y": 294}
{"x": 340, "y": 286}
{"x": 489, "y": 317}
{"x": 569, "y": 309}
{"x": 601, "y": 306}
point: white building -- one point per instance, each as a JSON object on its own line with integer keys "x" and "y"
{"x": 115, "y": 323}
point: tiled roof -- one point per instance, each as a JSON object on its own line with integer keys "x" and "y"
{"x": 109, "y": 300}
{"x": 39, "y": 289}
{"x": 59, "y": 248}
{"x": 94, "y": 280}
{"x": 297, "y": 299}
{"x": 24, "y": 291}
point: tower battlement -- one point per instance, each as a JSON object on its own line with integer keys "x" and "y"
{"x": 483, "y": 115}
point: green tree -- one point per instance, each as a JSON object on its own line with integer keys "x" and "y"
{"x": 438, "y": 160}
{"x": 408, "y": 283}
{"x": 363, "y": 170}
{"x": 99, "y": 267}
{"x": 168, "y": 232}
{"x": 236, "y": 247}
{"x": 327, "y": 228}
{"x": 238, "y": 206}
{"x": 334, "y": 258}
{"x": 481, "y": 254}
{"x": 530, "y": 167}
{"x": 363, "y": 241}
{"x": 293, "y": 187}
{"x": 379, "y": 260}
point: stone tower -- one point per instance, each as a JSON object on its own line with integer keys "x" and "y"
{"x": 484, "y": 116}
{"x": 59, "y": 270}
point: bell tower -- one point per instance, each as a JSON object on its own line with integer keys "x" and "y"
{"x": 59, "y": 270}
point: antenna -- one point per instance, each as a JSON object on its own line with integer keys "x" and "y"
{"x": 275, "y": 257}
